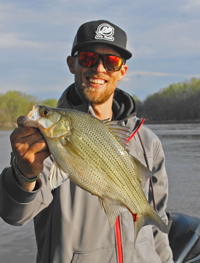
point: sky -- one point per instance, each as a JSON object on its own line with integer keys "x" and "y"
{"x": 36, "y": 38}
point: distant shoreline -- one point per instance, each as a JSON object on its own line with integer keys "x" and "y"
{"x": 12, "y": 125}
{"x": 7, "y": 126}
{"x": 171, "y": 121}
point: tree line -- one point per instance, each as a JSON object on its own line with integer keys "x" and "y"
{"x": 180, "y": 101}
{"x": 15, "y": 103}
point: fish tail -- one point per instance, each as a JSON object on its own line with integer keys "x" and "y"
{"x": 148, "y": 218}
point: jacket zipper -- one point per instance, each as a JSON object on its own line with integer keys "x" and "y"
{"x": 119, "y": 241}
{"x": 117, "y": 224}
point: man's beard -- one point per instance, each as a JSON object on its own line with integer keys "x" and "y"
{"x": 93, "y": 95}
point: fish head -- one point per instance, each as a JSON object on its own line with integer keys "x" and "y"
{"x": 49, "y": 120}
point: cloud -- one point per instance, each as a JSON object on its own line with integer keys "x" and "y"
{"x": 16, "y": 40}
{"x": 159, "y": 29}
{"x": 168, "y": 41}
{"x": 160, "y": 74}
{"x": 150, "y": 34}
{"x": 11, "y": 14}
{"x": 50, "y": 13}
{"x": 37, "y": 36}
{"x": 19, "y": 47}
{"x": 44, "y": 31}
{"x": 139, "y": 74}
{"x": 191, "y": 7}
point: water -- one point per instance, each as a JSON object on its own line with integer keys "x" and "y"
{"x": 5, "y": 149}
{"x": 17, "y": 244}
{"x": 181, "y": 143}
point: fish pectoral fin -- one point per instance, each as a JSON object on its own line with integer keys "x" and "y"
{"x": 71, "y": 148}
{"x": 143, "y": 172}
{"x": 112, "y": 210}
{"x": 57, "y": 175}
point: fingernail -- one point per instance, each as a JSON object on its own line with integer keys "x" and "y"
{"x": 23, "y": 121}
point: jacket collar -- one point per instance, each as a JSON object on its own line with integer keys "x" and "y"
{"x": 123, "y": 104}
{"x": 69, "y": 99}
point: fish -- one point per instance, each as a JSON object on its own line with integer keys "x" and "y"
{"x": 94, "y": 155}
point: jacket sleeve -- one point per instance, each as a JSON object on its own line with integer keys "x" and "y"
{"x": 160, "y": 187}
{"x": 18, "y": 206}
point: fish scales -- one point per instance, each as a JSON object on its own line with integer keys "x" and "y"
{"x": 113, "y": 165}
{"x": 89, "y": 151}
{"x": 87, "y": 132}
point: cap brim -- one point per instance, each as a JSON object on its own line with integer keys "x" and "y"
{"x": 123, "y": 52}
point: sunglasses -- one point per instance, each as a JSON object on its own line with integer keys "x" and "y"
{"x": 110, "y": 62}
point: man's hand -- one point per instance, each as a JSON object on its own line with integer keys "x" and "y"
{"x": 29, "y": 148}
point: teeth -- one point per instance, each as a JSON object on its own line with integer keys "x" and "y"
{"x": 96, "y": 81}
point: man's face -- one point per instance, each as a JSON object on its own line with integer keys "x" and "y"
{"x": 97, "y": 84}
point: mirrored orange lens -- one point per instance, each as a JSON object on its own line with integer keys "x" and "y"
{"x": 88, "y": 59}
{"x": 113, "y": 63}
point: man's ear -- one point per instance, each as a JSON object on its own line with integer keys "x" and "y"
{"x": 71, "y": 64}
{"x": 123, "y": 71}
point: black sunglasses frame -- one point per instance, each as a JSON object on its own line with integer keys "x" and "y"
{"x": 102, "y": 57}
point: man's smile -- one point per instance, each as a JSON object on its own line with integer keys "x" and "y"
{"x": 96, "y": 80}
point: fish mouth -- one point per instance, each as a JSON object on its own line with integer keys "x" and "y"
{"x": 33, "y": 114}
{"x": 32, "y": 117}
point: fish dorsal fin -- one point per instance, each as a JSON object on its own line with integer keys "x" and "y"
{"x": 143, "y": 172}
{"x": 121, "y": 133}
{"x": 112, "y": 210}
{"x": 57, "y": 175}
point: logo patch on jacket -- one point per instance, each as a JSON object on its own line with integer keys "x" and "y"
{"x": 105, "y": 32}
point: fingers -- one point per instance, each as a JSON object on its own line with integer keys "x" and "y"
{"x": 26, "y": 139}
{"x": 22, "y": 132}
{"x": 30, "y": 149}
{"x": 20, "y": 120}
{"x": 30, "y": 152}
{"x": 32, "y": 164}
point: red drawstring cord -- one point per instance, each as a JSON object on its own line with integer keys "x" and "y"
{"x": 117, "y": 223}
{"x": 119, "y": 240}
{"x": 142, "y": 121}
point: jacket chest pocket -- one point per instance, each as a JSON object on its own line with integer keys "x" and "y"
{"x": 143, "y": 252}
{"x": 104, "y": 255}
{"x": 137, "y": 151}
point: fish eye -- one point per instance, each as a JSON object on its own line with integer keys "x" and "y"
{"x": 45, "y": 112}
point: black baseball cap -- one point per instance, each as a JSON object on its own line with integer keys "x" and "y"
{"x": 101, "y": 32}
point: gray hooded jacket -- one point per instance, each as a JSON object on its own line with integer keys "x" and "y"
{"x": 70, "y": 225}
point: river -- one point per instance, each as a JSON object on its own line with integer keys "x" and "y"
{"x": 181, "y": 144}
{"x": 17, "y": 244}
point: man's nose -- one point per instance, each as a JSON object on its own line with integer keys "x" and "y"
{"x": 99, "y": 66}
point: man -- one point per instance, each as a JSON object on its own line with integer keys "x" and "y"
{"x": 70, "y": 226}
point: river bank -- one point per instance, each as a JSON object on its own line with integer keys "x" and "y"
{"x": 11, "y": 125}
{"x": 7, "y": 125}
{"x": 171, "y": 121}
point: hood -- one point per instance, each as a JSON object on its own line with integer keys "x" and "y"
{"x": 123, "y": 103}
